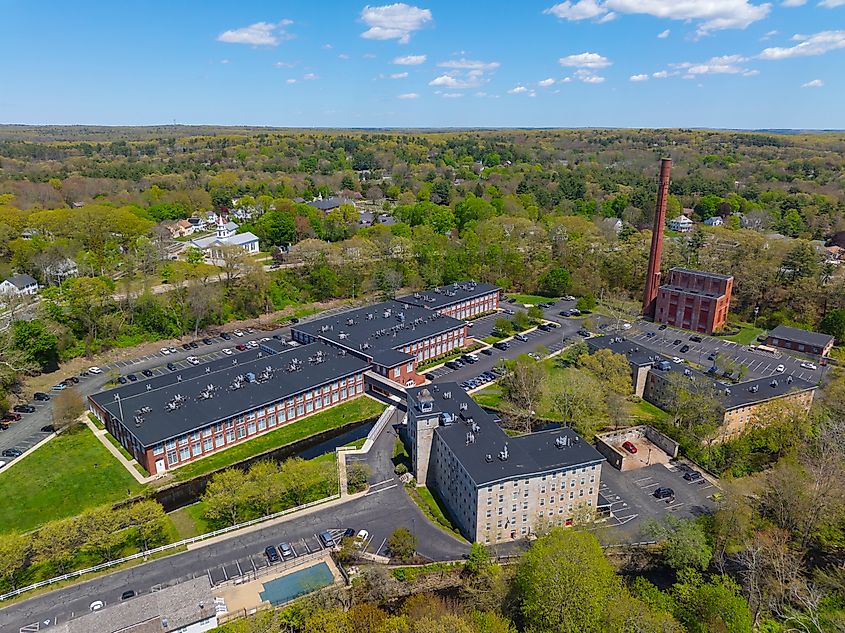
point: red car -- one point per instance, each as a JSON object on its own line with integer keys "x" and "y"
{"x": 629, "y": 446}
{"x": 240, "y": 347}
{"x": 12, "y": 416}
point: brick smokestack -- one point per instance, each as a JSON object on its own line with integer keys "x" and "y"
{"x": 652, "y": 280}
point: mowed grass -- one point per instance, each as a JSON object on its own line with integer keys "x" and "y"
{"x": 531, "y": 299}
{"x": 68, "y": 474}
{"x": 747, "y": 334}
{"x": 360, "y": 408}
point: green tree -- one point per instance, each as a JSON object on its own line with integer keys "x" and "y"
{"x": 150, "y": 523}
{"x": 613, "y": 370}
{"x": 684, "y": 543}
{"x": 576, "y": 397}
{"x": 554, "y": 282}
{"x": 535, "y": 313}
{"x": 356, "y": 476}
{"x": 226, "y": 496}
{"x": 56, "y": 543}
{"x": 717, "y": 605}
{"x": 564, "y": 584}
{"x": 833, "y": 323}
{"x": 36, "y": 344}
{"x": 479, "y": 559}
{"x": 586, "y": 303}
{"x": 194, "y": 256}
{"x": 275, "y": 228}
{"x": 402, "y": 543}
{"x": 503, "y": 326}
{"x": 14, "y": 556}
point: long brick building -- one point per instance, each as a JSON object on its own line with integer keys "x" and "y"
{"x": 464, "y": 300}
{"x": 694, "y": 300}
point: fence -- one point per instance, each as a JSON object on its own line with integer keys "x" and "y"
{"x": 157, "y": 550}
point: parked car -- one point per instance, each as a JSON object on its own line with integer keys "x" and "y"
{"x": 23, "y": 408}
{"x": 251, "y": 344}
{"x": 487, "y": 351}
{"x": 326, "y": 539}
{"x": 240, "y": 347}
{"x": 521, "y": 337}
{"x": 780, "y": 369}
{"x": 4, "y": 425}
{"x": 650, "y": 334}
{"x": 96, "y": 605}
{"x": 129, "y": 593}
{"x": 348, "y": 533}
{"x": 676, "y": 359}
{"x": 225, "y": 336}
{"x": 711, "y": 357}
{"x": 122, "y": 380}
{"x": 470, "y": 324}
{"x": 544, "y": 327}
{"x": 629, "y": 446}
{"x": 12, "y": 417}
{"x": 502, "y": 345}
{"x": 278, "y": 337}
{"x": 12, "y": 452}
{"x": 693, "y": 475}
{"x": 272, "y": 554}
{"x": 165, "y": 351}
{"x": 173, "y": 350}
{"x": 663, "y": 493}
{"x": 186, "y": 347}
{"x": 294, "y": 320}
{"x": 662, "y": 327}
{"x": 207, "y": 341}
{"x": 193, "y": 360}
{"x": 48, "y": 428}
{"x": 362, "y": 536}
{"x": 429, "y": 376}
{"x": 227, "y": 351}
{"x": 132, "y": 377}
{"x": 147, "y": 372}
{"x": 40, "y": 396}
{"x": 237, "y": 333}
{"x": 695, "y": 339}
{"x": 807, "y": 365}
{"x": 466, "y": 358}
{"x": 286, "y": 550}
{"x": 95, "y": 370}
{"x": 684, "y": 349}
{"x": 193, "y": 344}
{"x": 584, "y": 333}
{"x": 574, "y": 312}
{"x": 677, "y": 341}
{"x": 171, "y": 367}
{"x": 60, "y": 387}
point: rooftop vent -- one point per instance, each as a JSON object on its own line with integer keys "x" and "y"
{"x": 503, "y": 454}
{"x": 789, "y": 380}
{"x": 447, "y": 395}
{"x": 754, "y": 388}
{"x": 470, "y": 438}
{"x": 563, "y": 441}
{"x": 463, "y": 406}
{"x": 773, "y": 384}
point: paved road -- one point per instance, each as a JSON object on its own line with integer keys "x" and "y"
{"x": 385, "y": 508}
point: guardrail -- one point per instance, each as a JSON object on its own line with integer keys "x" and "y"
{"x": 163, "y": 548}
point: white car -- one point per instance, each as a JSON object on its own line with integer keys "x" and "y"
{"x": 362, "y": 536}
{"x": 252, "y": 344}
{"x": 2, "y": 464}
{"x": 675, "y": 359}
{"x": 806, "y": 365}
{"x": 172, "y": 350}
{"x": 238, "y": 333}
{"x": 473, "y": 356}
{"x": 165, "y": 351}
{"x": 95, "y": 370}
{"x": 227, "y": 351}
{"x": 193, "y": 360}
{"x": 626, "y": 326}
{"x": 97, "y": 605}
{"x": 780, "y": 369}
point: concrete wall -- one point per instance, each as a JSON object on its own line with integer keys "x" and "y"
{"x": 618, "y": 459}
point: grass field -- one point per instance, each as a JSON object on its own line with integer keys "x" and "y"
{"x": 645, "y": 412}
{"x": 747, "y": 334}
{"x": 358, "y": 409}
{"x": 432, "y": 509}
{"x": 68, "y": 474}
{"x": 531, "y": 299}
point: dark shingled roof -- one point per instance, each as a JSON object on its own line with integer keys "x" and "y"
{"x": 786, "y": 333}
{"x": 368, "y": 331}
{"x": 327, "y": 204}
{"x": 442, "y": 296}
{"x": 195, "y": 412}
{"x": 21, "y": 280}
{"x": 528, "y": 455}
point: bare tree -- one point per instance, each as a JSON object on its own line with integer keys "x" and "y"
{"x": 521, "y": 388}
{"x": 68, "y": 406}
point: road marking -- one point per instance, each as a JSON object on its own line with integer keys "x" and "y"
{"x": 380, "y": 546}
{"x": 643, "y": 487}
{"x": 674, "y": 507}
{"x": 382, "y": 482}
{"x": 375, "y": 492}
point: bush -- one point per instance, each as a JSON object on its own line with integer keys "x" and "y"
{"x": 356, "y": 476}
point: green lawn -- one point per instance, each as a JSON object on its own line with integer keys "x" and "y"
{"x": 747, "y": 334}
{"x": 358, "y": 409}
{"x": 189, "y": 521}
{"x": 646, "y": 413}
{"x": 431, "y": 507}
{"x": 532, "y": 299}
{"x": 66, "y": 475}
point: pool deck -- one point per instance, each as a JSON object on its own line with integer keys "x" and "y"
{"x": 246, "y": 596}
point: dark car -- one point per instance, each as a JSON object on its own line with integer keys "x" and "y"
{"x": 122, "y": 380}
{"x": 4, "y": 425}
{"x": 663, "y": 493}
{"x": 544, "y": 327}
{"x": 286, "y": 550}
{"x": 487, "y": 351}
{"x": 74, "y": 379}
{"x": 693, "y": 475}
{"x": 629, "y": 446}
{"x": 185, "y": 346}
{"x": 677, "y": 341}
{"x": 193, "y": 344}
{"x": 662, "y": 327}
{"x": 207, "y": 341}
{"x": 501, "y": 345}
{"x": 23, "y": 408}
{"x": 583, "y": 332}
{"x": 294, "y": 320}
{"x": 458, "y": 362}
{"x": 511, "y": 300}
{"x": 147, "y": 372}
{"x": 278, "y": 337}
{"x": 272, "y": 554}
{"x": 468, "y": 359}
{"x": 12, "y": 452}
{"x": 225, "y": 336}
{"x": 452, "y": 365}
{"x": 429, "y": 376}
{"x": 711, "y": 357}
{"x": 348, "y": 533}
{"x": 326, "y": 539}
{"x": 48, "y": 428}
{"x": 14, "y": 417}
{"x": 695, "y": 339}
{"x": 684, "y": 349}
{"x": 129, "y": 593}
{"x": 132, "y": 377}
{"x": 171, "y": 367}
{"x": 40, "y": 396}
{"x": 564, "y": 313}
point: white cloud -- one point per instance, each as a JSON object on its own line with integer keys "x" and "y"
{"x": 291, "y": 81}
{"x": 343, "y": 56}
{"x": 545, "y": 83}
{"x": 588, "y": 76}
{"x": 751, "y": 73}
{"x": 328, "y": 47}
{"x": 832, "y": 4}
{"x": 284, "y": 64}
{"x": 452, "y": 95}
{"x": 723, "y": 65}
{"x": 660, "y": 74}
{"x": 394, "y": 21}
{"x": 469, "y": 64}
{"x": 585, "y": 60}
{"x": 711, "y": 15}
{"x": 408, "y": 95}
{"x": 607, "y": 18}
{"x": 398, "y": 75}
{"x": 815, "y": 83}
{"x": 517, "y": 90}
{"x": 579, "y": 10}
{"x": 453, "y": 81}
{"x": 566, "y": 80}
{"x": 793, "y": 3}
{"x": 224, "y": 61}
{"x": 768, "y": 35}
{"x": 368, "y": 56}
{"x": 663, "y": 34}
{"x": 410, "y": 60}
{"x": 258, "y": 34}
{"x": 643, "y": 77}
{"x": 309, "y": 77}
{"x": 808, "y": 45}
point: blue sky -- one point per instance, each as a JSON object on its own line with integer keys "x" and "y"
{"x": 649, "y": 63}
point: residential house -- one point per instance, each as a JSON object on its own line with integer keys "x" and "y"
{"x": 20, "y": 284}
{"x": 63, "y": 269}
{"x": 225, "y": 235}
{"x": 681, "y": 224}
{"x": 716, "y": 220}
{"x": 329, "y": 204}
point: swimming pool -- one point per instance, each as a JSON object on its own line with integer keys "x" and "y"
{"x": 286, "y": 588}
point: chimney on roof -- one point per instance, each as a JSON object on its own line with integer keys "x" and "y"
{"x": 652, "y": 280}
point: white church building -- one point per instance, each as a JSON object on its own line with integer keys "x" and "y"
{"x": 225, "y": 235}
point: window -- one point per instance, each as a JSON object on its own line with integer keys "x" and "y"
{"x": 271, "y": 420}
{"x": 250, "y": 428}
{"x": 218, "y": 440}
{"x": 171, "y": 444}
{"x": 241, "y": 432}
{"x": 158, "y": 449}
{"x": 396, "y": 372}
{"x": 196, "y": 449}
{"x": 184, "y": 454}
{"x": 262, "y": 424}
{"x": 172, "y": 458}
{"x": 230, "y": 436}
{"x": 208, "y": 444}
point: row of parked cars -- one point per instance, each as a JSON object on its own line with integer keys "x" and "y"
{"x": 483, "y": 378}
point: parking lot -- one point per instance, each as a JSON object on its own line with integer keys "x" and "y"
{"x": 669, "y": 342}
{"x": 632, "y": 500}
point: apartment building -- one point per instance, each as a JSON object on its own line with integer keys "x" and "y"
{"x": 694, "y": 300}
{"x": 464, "y": 300}
{"x": 497, "y": 488}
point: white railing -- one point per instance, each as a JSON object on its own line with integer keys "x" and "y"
{"x": 157, "y": 550}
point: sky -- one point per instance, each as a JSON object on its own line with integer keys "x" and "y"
{"x": 442, "y": 63}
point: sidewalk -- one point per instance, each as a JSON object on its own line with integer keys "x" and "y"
{"x": 100, "y": 434}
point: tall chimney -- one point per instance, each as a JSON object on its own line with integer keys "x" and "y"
{"x": 652, "y": 280}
